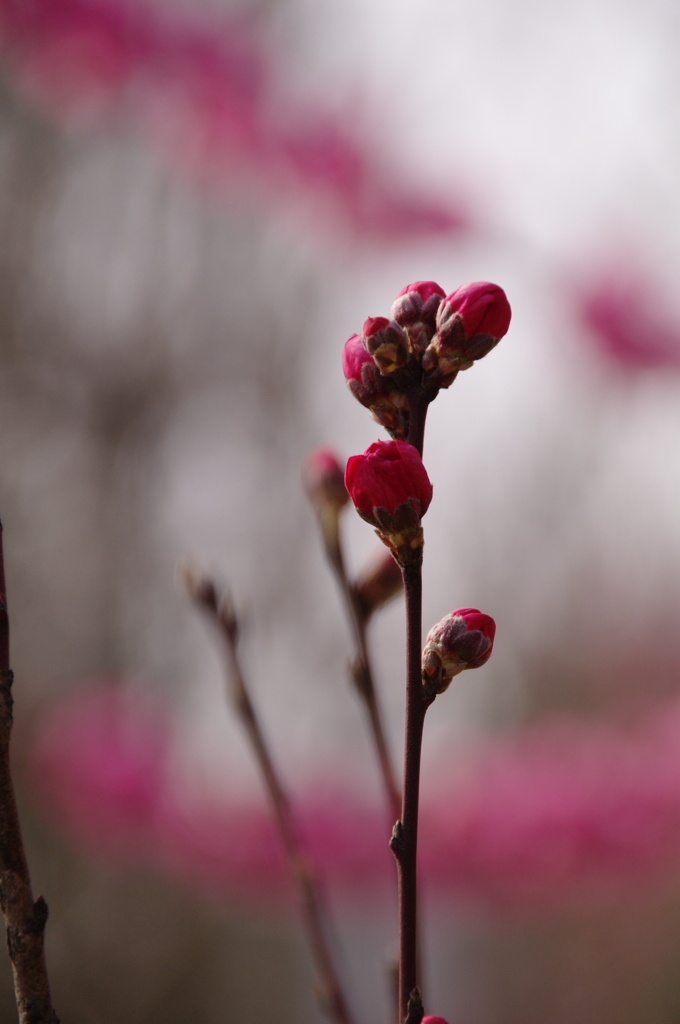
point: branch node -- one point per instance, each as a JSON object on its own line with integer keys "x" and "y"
{"x": 397, "y": 840}
{"x": 414, "y": 1010}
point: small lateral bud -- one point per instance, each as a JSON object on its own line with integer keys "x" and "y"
{"x": 387, "y": 342}
{"x": 391, "y": 490}
{"x": 417, "y": 301}
{"x": 375, "y": 391}
{"x": 324, "y": 480}
{"x": 463, "y": 639}
{"x": 380, "y": 581}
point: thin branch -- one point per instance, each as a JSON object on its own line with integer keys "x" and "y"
{"x": 404, "y": 841}
{"x": 24, "y": 919}
{"x": 362, "y": 676}
{"x": 313, "y": 913}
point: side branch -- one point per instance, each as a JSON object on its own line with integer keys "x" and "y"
{"x": 24, "y": 919}
{"x": 362, "y": 677}
{"x": 223, "y": 615}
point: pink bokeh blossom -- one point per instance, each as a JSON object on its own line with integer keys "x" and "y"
{"x": 214, "y": 99}
{"x": 561, "y": 814}
{"x": 627, "y": 322}
{"x": 99, "y": 764}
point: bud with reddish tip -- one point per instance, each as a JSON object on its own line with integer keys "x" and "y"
{"x": 373, "y": 390}
{"x": 387, "y": 342}
{"x": 324, "y": 480}
{"x": 380, "y": 581}
{"x": 470, "y": 322}
{"x": 417, "y": 301}
{"x": 391, "y": 490}
{"x": 463, "y": 639}
{"x": 433, "y": 1020}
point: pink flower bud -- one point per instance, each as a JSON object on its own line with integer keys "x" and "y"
{"x": 324, "y": 481}
{"x": 433, "y": 1020}
{"x": 463, "y": 639}
{"x": 387, "y": 343}
{"x": 417, "y": 301}
{"x": 391, "y": 490}
{"x": 470, "y": 322}
{"x": 388, "y": 405}
{"x": 483, "y": 308}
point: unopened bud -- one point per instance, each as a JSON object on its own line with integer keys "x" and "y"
{"x": 463, "y": 639}
{"x": 433, "y": 1020}
{"x": 470, "y": 322}
{"x": 391, "y": 490}
{"x": 387, "y": 342}
{"x": 380, "y": 581}
{"x": 417, "y": 301}
{"x": 388, "y": 405}
{"x": 324, "y": 480}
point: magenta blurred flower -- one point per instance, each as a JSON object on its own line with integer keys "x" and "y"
{"x": 563, "y": 813}
{"x": 628, "y": 325}
{"x": 389, "y": 476}
{"x": 560, "y": 814}
{"x": 99, "y": 767}
{"x": 211, "y": 97}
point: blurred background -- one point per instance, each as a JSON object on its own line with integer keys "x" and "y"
{"x": 199, "y": 204}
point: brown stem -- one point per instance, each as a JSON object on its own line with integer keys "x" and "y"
{"x": 418, "y": 402}
{"x": 24, "y": 919}
{"x": 311, "y": 904}
{"x": 405, "y": 837}
{"x": 362, "y": 676}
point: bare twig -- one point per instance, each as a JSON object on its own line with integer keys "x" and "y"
{"x": 24, "y": 919}
{"x": 362, "y": 676}
{"x": 223, "y": 615}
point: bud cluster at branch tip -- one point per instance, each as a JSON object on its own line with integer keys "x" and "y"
{"x": 428, "y": 339}
{"x": 463, "y": 639}
{"x": 391, "y": 490}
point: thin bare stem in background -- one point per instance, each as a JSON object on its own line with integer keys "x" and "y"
{"x": 362, "y": 674}
{"x": 25, "y": 920}
{"x": 313, "y": 913}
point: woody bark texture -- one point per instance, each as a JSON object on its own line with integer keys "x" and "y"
{"x": 24, "y": 918}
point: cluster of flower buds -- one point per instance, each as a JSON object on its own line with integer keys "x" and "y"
{"x": 463, "y": 639}
{"x": 430, "y": 337}
{"x": 391, "y": 490}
